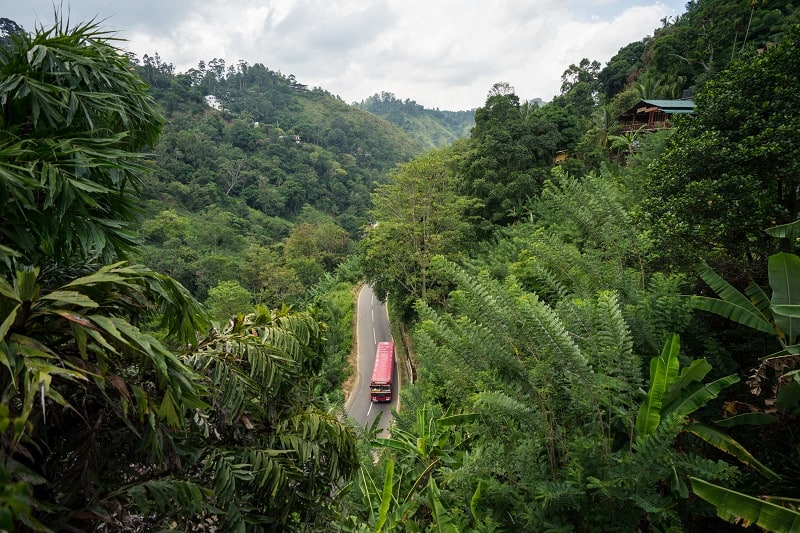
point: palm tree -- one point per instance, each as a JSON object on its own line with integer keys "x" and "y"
{"x": 626, "y": 142}
{"x": 652, "y": 87}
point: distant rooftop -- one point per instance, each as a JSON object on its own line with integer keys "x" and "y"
{"x": 671, "y": 106}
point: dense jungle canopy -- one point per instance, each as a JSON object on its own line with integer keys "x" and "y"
{"x": 602, "y": 322}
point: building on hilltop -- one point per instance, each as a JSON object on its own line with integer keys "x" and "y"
{"x": 653, "y": 115}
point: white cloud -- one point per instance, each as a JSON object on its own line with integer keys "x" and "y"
{"x": 441, "y": 53}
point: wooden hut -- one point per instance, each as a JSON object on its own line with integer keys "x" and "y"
{"x": 653, "y": 115}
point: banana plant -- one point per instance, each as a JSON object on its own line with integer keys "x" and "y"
{"x": 431, "y": 443}
{"x": 679, "y": 393}
{"x": 767, "y": 513}
{"x": 778, "y": 315}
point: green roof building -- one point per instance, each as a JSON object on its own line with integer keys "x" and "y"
{"x": 652, "y": 115}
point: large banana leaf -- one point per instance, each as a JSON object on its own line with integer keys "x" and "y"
{"x": 680, "y": 387}
{"x": 757, "y": 418}
{"x": 740, "y": 314}
{"x": 443, "y": 521}
{"x": 735, "y": 506}
{"x": 790, "y": 231}
{"x": 784, "y": 279}
{"x": 474, "y": 502}
{"x": 789, "y": 310}
{"x": 732, "y": 304}
{"x": 759, "y": 298}
{"x": 723, "y": 442}
{"x": 386, "y": 496}
{"x": 701, "y": 396}
{"x": 663, "y": 371}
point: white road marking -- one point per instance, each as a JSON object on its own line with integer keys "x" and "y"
{"x": 374, "y": 337}
{"x": 370, "y": 409}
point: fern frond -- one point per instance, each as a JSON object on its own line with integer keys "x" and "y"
{"x": 657, "y": 447}
{"x": 501, "y": 406}
{"x": 164, "y": 495}
{"x": 549, "y": 338}
{"x": 482, "y": 294}
{"x": 613, "y": 335}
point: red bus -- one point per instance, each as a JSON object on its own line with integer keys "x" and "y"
{"x": 380, "y": 387}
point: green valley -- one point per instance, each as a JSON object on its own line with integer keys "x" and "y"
{"x": 595, "y": 296}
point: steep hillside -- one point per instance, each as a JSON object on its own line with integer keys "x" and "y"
{"x": 690, "y": 49}
{"x": 252, "y": 167}
{"x": 431, "y": 127}
{"x": 253, "y": 135}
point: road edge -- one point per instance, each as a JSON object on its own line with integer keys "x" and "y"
{"x": 354, "y": 352}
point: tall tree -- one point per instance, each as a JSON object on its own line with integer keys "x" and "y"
{"x": 733, "y": 167}
{"x": 510, "y": 155}
{"x": 416, "y": 216}
{"x": 579, "y": 87}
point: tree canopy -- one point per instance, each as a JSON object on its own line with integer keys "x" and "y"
{"x": 69, "y": 161}
{"x": 731, "y": 169}
{"x": 120, "y": 407}
{"x": 600, "y": 327}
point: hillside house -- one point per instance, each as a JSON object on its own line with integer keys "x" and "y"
{"x": 653, "y": 115}
{"x": 213, "y": 102}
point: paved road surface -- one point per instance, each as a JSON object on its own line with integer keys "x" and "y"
{"x": 372, "y": 327}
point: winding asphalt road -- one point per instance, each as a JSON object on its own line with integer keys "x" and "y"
{"x": 372, "y": 327}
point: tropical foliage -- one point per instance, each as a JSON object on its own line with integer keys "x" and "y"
{"x": 546, "y": 331}
{"x": 602, "y": 336}
{"x": 102, "y": 422}
{"x": 737, "y": 154}
{"x": 417, "y": 216}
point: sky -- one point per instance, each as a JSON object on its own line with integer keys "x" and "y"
{"x": 442, "y": 54}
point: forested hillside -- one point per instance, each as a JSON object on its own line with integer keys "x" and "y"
{"x": 266, "y": 190}
{"x": 431, "y": 127}
{"x": 602, "y": 323}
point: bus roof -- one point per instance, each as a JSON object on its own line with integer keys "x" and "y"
{"x": 384, "y": 357}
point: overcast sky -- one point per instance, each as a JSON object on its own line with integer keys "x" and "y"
{"x": 440, "y": 53}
